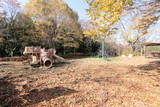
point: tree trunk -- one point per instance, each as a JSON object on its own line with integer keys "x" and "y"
{"x": 51, "y": 42}
{"x": 103, "y": 48}
{"x": 64, "y": 52}
{"x": 74, "y": 51}
{"x": 12, "y": 52}
{"x": 133, "y": 48}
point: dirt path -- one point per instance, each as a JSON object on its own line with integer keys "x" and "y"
{"x": 127, "y": 82}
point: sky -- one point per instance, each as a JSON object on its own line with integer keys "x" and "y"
{"x": 23, "y": 1}
{"x": 77, "y": 5}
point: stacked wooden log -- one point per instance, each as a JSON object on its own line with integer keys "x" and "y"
{"x": 44, "y": 58}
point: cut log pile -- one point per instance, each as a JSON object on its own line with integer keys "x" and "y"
{"x": 45, "y": 58}
{"x": 37, "y": 55}
{"x": 42, "y": 56}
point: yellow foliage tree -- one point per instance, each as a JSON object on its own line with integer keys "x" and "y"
{"x": 105, "y": 13}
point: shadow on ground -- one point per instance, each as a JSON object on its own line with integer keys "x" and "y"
{"x": 154, "y": 65}
{"x": 11, "y": 96}
{"x": 35, "y": 96}
{"x": 61, "y": 64}
{"x": 5, "y": 64}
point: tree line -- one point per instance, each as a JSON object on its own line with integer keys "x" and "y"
{"x": 106, "y": 15}
{"x": 53, "y": 24}
{"x": 46, "y": 23}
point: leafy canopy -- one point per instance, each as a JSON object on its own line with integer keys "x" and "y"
{"x": 56, "y": 22}
{"x": 105, "y": 13}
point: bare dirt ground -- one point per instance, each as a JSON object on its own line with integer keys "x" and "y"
{"x": 86, "y": 82}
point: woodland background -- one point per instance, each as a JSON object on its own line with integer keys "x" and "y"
{"x": 53, "y": 24}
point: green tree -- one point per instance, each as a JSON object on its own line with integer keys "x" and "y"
{"x": 17, "y": 29}
{"x": 9, "y": 10}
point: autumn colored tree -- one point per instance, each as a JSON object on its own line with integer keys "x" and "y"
{"x": 105, "y": 13}
{"x": 146, "y": 15}
{"x": 149, "y": 16}
{"x": 56, "y": 22}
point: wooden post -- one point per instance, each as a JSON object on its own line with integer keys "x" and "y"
{"x": 141, "y": 51}
{"x": 144, "y": 48}
{"x": 40, "y": 57}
